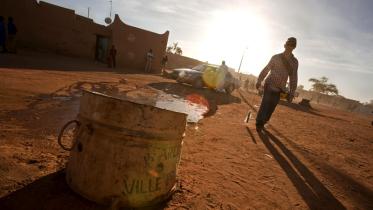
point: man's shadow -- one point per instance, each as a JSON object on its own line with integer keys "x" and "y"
{"x": 313, "y": 192}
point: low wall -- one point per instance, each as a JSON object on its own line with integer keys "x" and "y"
{"x": 179, "y": 61}
{"x": 337, "y": 102}
{"x": 47, "y": 27}
{"x": 52, "y": 28}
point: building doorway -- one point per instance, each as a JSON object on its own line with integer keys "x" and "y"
{"x": 102, "y": 46}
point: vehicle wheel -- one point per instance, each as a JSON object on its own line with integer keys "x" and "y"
{"x": 229, "y": 89}
{"x": 198, "y": 83}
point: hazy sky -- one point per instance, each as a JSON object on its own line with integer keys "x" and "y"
{"x": 335, "y": 37}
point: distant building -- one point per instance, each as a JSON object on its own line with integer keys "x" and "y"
{"x": 44, "y": 26}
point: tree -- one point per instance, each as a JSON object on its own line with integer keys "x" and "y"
{"x": 169, "y": 49}
{"x": 175, "y": 46}
{"x": 331, "y": 88}
{"x": 322, "y": 86}
{"x": 174, "y": 49}
{"x": 179, "y": 51}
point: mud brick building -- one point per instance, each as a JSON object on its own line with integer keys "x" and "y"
{"x": 47, "y": 27}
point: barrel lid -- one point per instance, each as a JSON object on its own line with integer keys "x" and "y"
{"x": 131, "y": 115}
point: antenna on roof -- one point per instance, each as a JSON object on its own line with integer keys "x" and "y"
{"x": 108, "y": 19}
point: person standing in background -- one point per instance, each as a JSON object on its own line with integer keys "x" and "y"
{"x": 2, "y": 35}
{"x": 149, "y": 59}
{"x": 222, "y": 73}
{"x": 12, "y": 32}
{"x": 164, "y": 63}
{"x": 112, "y": 57}
{"x": 246, "y": 84}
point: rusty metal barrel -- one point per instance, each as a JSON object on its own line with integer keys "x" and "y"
{"x": 124, "y": 153}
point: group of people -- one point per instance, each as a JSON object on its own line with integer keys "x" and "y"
{"x": 281, "y": 67}
{"x": 8, "y": 35}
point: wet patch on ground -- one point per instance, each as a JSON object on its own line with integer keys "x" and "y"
{"x": 195, "y": 109}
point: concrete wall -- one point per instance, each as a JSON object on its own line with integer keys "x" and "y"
{"x": 337, "y": 102}
{"x": 179, "y": 61}
{"x": 133, "y": 43}
{"x": 45, "y": 26}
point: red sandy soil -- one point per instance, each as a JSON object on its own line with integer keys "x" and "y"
{"x": 316, "y": 158}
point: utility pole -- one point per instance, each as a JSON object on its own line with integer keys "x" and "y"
{"x": 111, "y": 7}
{"x": 239, "y": 67}
{"x": 88, "y": 11}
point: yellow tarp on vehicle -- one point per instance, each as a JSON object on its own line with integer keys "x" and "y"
{"x": 212, "y": 77}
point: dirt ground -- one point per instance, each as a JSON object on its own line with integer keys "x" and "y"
{"x": 316, "y": 158}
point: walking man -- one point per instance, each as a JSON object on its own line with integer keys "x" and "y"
{"x": 281, "y": 67}
{"x": 149, "y": 59}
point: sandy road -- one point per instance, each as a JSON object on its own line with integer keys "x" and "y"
{"x": 307, "y": 159}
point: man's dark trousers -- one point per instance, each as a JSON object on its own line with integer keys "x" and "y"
{"x": 268, "y": 105}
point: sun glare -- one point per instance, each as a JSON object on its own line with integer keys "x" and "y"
{"x": 230, "y": 33}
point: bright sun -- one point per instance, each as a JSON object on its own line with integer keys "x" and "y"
{"x": 229, "y": 33}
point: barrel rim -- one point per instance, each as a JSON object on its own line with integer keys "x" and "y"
{"x": 126, "y": 100}
{"x": 128, "y": 132}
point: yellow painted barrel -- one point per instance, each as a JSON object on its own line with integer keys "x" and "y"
{"x": 124, "y": 153}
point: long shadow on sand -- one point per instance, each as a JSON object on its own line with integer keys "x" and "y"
{"x": 362, "y": 195}
{"x": 52, "y": 193}
{"x": 313, "y": 192}
{"x": 214, "y": 98}
{"x": 310, "y": 188}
